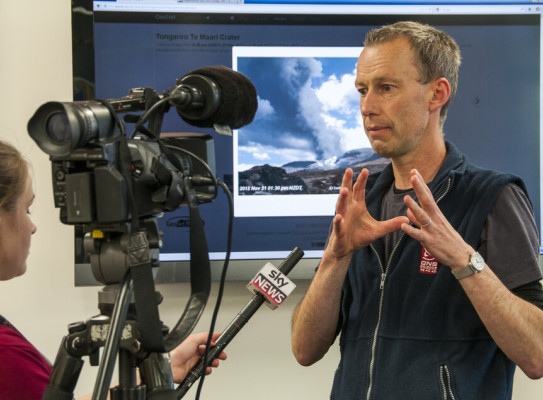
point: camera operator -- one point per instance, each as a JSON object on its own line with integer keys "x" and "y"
{"x": 24, "y": 371}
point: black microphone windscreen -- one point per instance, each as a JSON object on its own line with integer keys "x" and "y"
{"x": 238, "y": 102}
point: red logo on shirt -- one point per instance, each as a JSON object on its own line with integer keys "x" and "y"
{"x": 428, "y": 263}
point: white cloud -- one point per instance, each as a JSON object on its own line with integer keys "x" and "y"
{"x": 292, "y": 141}
{"x": 277, "y": 155}
{"x": 331, "y": 111}
{"x": 339, "y": 94}
{"x": 244, "y": 167}
{"x": 265, "y": 108}
{"x": 292, "y": 67}
{"x": 261, "y": 156}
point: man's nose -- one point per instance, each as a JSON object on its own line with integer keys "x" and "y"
{"x": 368, "y": 103}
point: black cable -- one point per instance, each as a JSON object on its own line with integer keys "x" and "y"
{"x": 115, "y": 116}
{"x": 146, "y": 115}
{"x": 221, "y": 285}
{"x": 216, "y": 180}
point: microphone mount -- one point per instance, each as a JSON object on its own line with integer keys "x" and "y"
{"x": 196, "y": 97}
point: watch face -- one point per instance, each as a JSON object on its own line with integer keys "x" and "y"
{"x": 477, "y": 261}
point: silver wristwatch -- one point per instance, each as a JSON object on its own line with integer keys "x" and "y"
{"x": 475, "y": 265}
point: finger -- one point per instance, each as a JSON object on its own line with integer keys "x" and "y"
{"x": 413, "y": 232}
{"x": 202, "y": 347}
{"x": 390, "y": 225}
{"x": 221, "y": 356}
{"x": 415, "y": 213}
{"x": 337, "y": 223}
{"x": 215, "y": 364}
{"x": 359, "y": 189}
{"x": 341, "y": 204}
{"x": 199, "y": 338}
{"x": 422, "y": 190}
{"x": 345, "y": 191}
{"x": 347, "y": 180}
{"x": 412, "y": 206}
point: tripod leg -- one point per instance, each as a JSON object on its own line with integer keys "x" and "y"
{"x": 118, "y": 319}
{"x": 156, "y": 372}
{"x": 128, "y": 388}
{"x": 64, "y": 375}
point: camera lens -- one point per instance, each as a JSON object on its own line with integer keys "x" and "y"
{"x": 58, "y": 128}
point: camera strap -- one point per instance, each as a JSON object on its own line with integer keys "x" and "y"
{"x": 140, "y": 264}
{"x": 139, "y": 260}
{"x": 148, "y": 321}
{"x": 200, "y": 269}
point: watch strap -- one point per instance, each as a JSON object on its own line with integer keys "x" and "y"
{"x": 464, "y": 272}
{"x": 475, "y": 265}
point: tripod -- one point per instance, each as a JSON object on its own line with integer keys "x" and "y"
{"x": 116, "y": 329}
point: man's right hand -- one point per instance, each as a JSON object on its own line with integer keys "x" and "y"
{"x": 353, "y": 226}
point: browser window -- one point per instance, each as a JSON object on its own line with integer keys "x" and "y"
{"x": 284, "y": 169}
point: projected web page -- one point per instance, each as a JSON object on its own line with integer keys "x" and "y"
{"x": 284, "y": 169}
{"x": 291, "y": 159}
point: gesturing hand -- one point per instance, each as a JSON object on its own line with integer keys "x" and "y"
{"x": 353, "y": 226}
{"x": 436, "y": 234}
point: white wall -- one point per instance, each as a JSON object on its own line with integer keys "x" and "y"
{"x": 35, "y": 67}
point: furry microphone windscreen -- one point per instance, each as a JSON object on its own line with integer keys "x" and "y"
{"x": 238, "y": 99}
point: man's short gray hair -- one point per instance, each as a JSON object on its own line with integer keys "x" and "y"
{"x": 438, "y": 54}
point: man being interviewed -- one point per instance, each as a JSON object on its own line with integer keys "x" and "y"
{"x": 431, "y": 270}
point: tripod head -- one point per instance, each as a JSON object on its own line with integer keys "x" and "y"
{"x": 113, "y": 252}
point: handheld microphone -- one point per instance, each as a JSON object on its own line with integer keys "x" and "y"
{"x": 272, "y": 284}
{"x": 238, "y": 322}
{"x": 217, "y": 95}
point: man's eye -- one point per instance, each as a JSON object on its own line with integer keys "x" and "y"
{"x": 387, "y": 88}
{"x": 362, "y": 92}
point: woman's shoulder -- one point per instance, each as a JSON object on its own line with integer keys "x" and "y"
{"x": 24, "y": 371}
{"x": 9, "y": 336}
{"x": 16, "y": 350}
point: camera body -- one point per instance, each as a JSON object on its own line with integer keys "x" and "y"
{"x": 90, "y": 188}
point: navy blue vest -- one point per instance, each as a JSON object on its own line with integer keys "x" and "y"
{"x": 409, "y": 335}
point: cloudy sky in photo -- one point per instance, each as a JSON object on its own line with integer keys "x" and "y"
{"x": 308, "y": 110}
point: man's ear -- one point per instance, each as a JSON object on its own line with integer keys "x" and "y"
{"x": 441, "y": 93}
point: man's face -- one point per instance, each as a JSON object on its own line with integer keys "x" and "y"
{"x": 393, "y": 101}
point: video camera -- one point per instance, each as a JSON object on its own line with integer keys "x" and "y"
{"x": 94, "y": 165}
{"x": 113, "y": 186}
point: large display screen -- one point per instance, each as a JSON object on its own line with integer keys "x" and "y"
{"x": 284, "y": 169}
